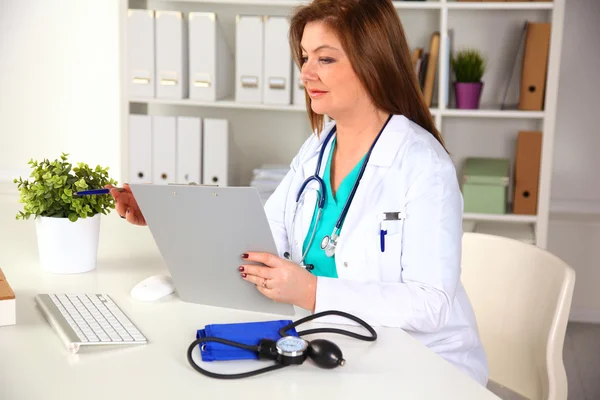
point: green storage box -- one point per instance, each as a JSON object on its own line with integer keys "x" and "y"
{"x": 485, "y": 185}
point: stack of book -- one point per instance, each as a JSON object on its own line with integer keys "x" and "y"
{"x": 267, "y": 178}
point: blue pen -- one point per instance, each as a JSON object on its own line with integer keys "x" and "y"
{"x": 382, "y": 234}
{"x": 95, "y": 191}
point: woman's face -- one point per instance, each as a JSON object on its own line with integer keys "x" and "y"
{"x": 327, "y": 74}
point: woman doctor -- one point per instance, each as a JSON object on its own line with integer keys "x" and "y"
{"x": 378, "y": 233}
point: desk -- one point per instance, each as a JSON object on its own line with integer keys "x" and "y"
{"x": 34, "y": 364}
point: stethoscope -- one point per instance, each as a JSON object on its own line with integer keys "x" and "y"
{"x": 329, "y": 242}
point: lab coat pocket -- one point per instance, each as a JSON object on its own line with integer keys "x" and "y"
{"x": 388, "y": 249}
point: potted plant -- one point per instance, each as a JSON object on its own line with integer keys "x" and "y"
{"x": 67, "y": 226}
{"x": 469, "y": 66}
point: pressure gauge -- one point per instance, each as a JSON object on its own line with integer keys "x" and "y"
{"x": 291, "y": 350}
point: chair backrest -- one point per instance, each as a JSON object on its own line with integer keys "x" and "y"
{"x": 521, "y": 295}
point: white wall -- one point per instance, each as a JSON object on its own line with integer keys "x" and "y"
{"x": 576, "y": 183}
{"x": 59, "y": 82}
{"x": 576, "y": 161}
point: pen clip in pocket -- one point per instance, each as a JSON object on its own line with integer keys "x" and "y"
{"x": 391, "y": 221}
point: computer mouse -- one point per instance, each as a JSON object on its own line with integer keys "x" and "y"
{"x": 153, "y": 288}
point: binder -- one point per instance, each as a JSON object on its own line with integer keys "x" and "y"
{"x": 434, "y": 49}
{"x": 164, "y": 131}
{"x": 277, "y": 69}
{"x": 423, "y": 62}
{"x": 189, "y": 150}
{"x": 503, "y": 104}
{"x": 527, "y": 172}
{"x": 299, "y": 94}
{"x": 535, "y": 66}
{"x": 249, "y": 58}
{"x": 171, "y": 55}
{"x": 211, "y": 60}
{"x": 140, "y": 53}
{"x": 215, "y": 152}
{"x": 140, "y": 149}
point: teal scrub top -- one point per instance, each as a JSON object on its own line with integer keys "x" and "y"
{"x": 323, "y": 265}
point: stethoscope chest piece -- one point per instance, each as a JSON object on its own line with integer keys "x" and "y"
{"x": 325, "y": 242}
{"x": 328, "y": 244}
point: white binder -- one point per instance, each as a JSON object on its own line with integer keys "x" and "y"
{"x": 171, "y": 55}
{"x": 249, "y": 58}
{"x": 140, "y": 53}
{"x": 189, "y": 150}
{"x": 299, "y": 96}
{"x": 164, "y": 131}
{"x": 211, "y": 60}
{"x": 215, "y": 152}
{"x": 277, "y": 69}
{"x": 140, "y": 149}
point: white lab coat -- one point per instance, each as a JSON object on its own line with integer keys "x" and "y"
{"x": 415, "y": 283}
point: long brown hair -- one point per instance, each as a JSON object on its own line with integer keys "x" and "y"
{"x": 373, "y": 38}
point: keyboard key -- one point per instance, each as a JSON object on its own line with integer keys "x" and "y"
{"x": 138, "y": 337}
{"x": 104, "y": 337}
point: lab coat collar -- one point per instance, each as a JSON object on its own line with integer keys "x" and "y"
{"x": 383, "y": 153}
{"x": 310, "y": 164}
{"x": 389, "y": 142}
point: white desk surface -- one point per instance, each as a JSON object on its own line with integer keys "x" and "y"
{"x": 34, "y": 364}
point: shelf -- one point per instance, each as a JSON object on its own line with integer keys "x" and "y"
{"x": 472, "y": 22}
{"x": 491, "y": 113}
{"x": 219, "y": 104}
{"x": 513, "y": 218}
{"x": 492, "y": 5}
{"x": 230, "y": 104}
{"x": 418, "y": 5}
{"x": 411, "y": 5}
{"x": 415, "y": 5}
{"x": 285, "y": 3}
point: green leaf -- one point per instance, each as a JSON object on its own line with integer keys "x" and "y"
{"x": 468, "y": 65}
{"x": 49, "y": 191}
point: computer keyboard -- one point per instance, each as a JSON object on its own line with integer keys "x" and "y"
{"x": 88, "y": 319}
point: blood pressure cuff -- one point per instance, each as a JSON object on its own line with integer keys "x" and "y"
{"x": 248, "y": 333}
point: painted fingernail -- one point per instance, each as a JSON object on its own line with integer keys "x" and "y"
{"x": 244, "y": 275}
{"x": 244, "y": 255}
{"x": 240, "y": 269}
{"x": 122, "y": 216}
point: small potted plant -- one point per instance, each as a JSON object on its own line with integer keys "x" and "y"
{"x": 67, "y": 226}
{"x": 469, "y": 66}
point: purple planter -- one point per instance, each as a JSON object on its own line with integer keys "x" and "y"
{"x": 468, "y": 94}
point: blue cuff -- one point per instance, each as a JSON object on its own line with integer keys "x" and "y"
{"x": 248, "y": 333}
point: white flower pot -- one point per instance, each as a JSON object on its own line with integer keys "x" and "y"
{"x": 67, "y": 247}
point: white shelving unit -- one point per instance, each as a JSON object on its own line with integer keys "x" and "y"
{"x": 493, "y": 27}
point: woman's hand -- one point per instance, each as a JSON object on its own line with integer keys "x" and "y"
{"x": 281, "y": 280}
{"x": 126, "y": 205}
